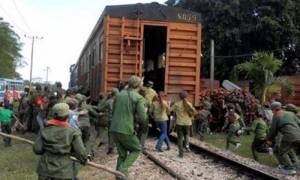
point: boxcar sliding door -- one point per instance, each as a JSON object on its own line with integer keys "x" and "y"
{"x": 183, "y": 60}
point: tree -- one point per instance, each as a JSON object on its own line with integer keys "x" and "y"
{"x": 10, "y": 47}
{"x": 243, "y": 27}
{"x": 261, "y": 69}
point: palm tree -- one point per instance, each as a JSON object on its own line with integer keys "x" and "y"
{"x": 260, "y": 69}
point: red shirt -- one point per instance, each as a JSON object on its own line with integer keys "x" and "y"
{"x": 15, "y": 95}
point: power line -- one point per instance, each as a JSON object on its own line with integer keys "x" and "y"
{"x": 12, "y": 20}
{"x": 22, "y": 17}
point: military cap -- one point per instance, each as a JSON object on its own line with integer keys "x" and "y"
{"x": 276, "y": 105}
{"x": 80, "y": 97}
{"x": 114, "y": 91}
{"x": 61, "y": 109}
{"x": 134, "y": 81}
{"x": 290, "y": 107}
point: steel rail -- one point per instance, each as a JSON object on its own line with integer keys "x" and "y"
{"x": 163, "y": 166}
{"x": 251, "y": 170}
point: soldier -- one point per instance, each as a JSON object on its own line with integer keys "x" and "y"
{"x": 127, "y": 105}
{"x": 202, "y": 119}
{"x": 261, "y": 132}
{"x": 5, "y": 120}
{"x": 143, "y": 127}
{"x": 35, "y": 99}
{"x": 150, "y": 93}
{"x": 101, "y": 99}
{"x": 106, "y": 110}
{"x": 184, "y": 114}
{"x": 57, "y": 142}
{"x": 284, "y": 122}
{"x": 84, "y": 122}
{"x": 232, "y": 122}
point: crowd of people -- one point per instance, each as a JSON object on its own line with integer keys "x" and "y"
{"x": 62, "y": 122}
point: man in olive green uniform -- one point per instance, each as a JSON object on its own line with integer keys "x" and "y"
{"x": 284, "y": 122}
{"x": 84, "y": 122}
{"x": 233, "y": 122}
{"x": 143, "y": 126}
{"x": 57, "y": 143}
{"x": 292, "y": 154}
{"x": 261, "y": 131}
{"x": 127, "y": 105}
{"x": 106, "y": 109}
{"x": 202, "y": 119}
{"x": 150, "y": 93}
{"x": 32, "y": 102}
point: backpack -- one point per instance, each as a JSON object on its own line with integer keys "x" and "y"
{"x": 38, "y": 101}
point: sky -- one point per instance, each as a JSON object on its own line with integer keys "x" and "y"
{"x": 63, "y": 25}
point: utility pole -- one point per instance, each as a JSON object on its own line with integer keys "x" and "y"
{"x": 47, "y": 71}
{"x": 212, "y": 64}
{"x": 31, "y": 62}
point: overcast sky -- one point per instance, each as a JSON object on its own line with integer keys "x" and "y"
{"x": 64, "y": 25}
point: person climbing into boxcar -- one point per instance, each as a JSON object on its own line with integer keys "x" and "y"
{"x": 184, "y": 113}
{"x": 85, "y": 123}
{"x": 106, "y": 110}
{"x": 232, "y": 123}
{"x": 261, "y": 132}
{"x": 57, "y": 143}
{"x": 284, "y": 122}
{"x": 160, "y": 110}
{"x": 127, "y": 105}
{"x": 143, "y": 126}
{"x": 150, "y": 93}
{"x": 202, "y": 119}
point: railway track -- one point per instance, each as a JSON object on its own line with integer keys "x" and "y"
{"x": 218, "y": 161}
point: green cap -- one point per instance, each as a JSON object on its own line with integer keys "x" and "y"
{"x": 80, "y": 97}
{"x": 61, "y": 109}
{"x": 276, "y": 105}
{"x": 290, "y": 107}
{"x": 134, "y": 81}
{"x": 114, "y": 91}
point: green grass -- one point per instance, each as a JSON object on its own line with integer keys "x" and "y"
{"x": 219, "y": 140}
{"x": 18, "y": 162}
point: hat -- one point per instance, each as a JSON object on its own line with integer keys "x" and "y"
{"x": 72, "y": 101}
{"x": 134, "y": 81}
{"x": 276, "y": 105}
{"x": 290, "y": 107}
{"x": 80, "y": 97}
{"x": 61, "y": 109}
{"x": 114, "y": 91}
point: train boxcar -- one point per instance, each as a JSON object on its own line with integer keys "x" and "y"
{"x": 154, "y": 41}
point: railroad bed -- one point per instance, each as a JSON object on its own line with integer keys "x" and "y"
{"x": 196, "y": 165}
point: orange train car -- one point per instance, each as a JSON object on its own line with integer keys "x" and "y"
{"x": 154, "y": 41}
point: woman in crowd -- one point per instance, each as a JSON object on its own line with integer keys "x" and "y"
{"x": 160, "y": 110}
{"x": 184, "y": 114}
